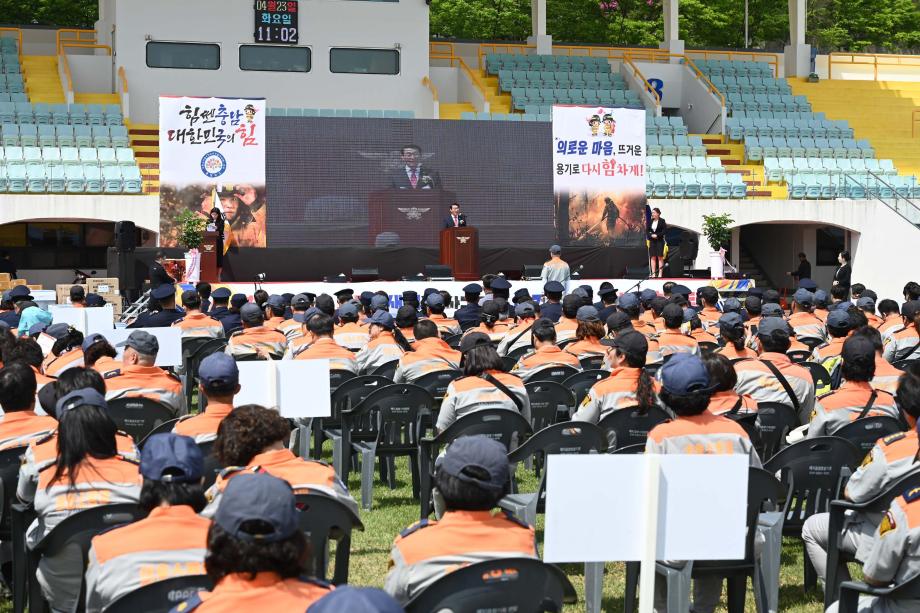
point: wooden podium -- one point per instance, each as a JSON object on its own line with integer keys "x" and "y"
{"x": 460, "y": 251}
{"x": 208, "y": 250}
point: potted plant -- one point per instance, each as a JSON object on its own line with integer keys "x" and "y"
{"x": 191, "y": 235}
{"x": 717, "y": 230}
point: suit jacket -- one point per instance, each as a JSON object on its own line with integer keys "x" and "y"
{"x": 159, "y": 276}
{"x": 804, "y": 271}
{"x": 661, "y": 231}
{"x": 449, "y": 221}
{"x": 427, "y": 178}
{"x": 842, "y": 276}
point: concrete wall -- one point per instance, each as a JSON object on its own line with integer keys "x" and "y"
{"x": 323, "y": 24}
{"x": 776, "y": 246}
{"x": 144, "y": 211}
{"x": 671, "y": 77}
{"x": 91, "y": 73}
{"x": 445, "y": 78}
{"x": 702, "y": 110}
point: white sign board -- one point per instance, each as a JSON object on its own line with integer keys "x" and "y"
{"x": 597, "y": 507}
{"x": 87, "y": 321}
{"x": 298, "y": 388}
{"x": 170, "y": 340}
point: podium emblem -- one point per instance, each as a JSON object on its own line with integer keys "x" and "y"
{"x": 413, "y": 213}
{"x": 463, "y": 239}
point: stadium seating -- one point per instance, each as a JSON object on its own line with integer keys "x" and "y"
{"x": 55, "y": 169}
{"x": 360, "y": 113}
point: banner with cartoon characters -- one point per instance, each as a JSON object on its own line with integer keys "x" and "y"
{"x": 212, "y": 163}
{"x": 599, "y": 175}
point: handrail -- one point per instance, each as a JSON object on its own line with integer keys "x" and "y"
{"x": 699, "y": 75}
{"x": 752, "y": 56}
{"x": 664, "y": 55}
{"x": 648, "y": 86}
{"x": 64, "y": 45}
{"x": 440, "y": 50}
{"x": 894, "y": 192}
{"x": 68, "y": 79}
{"x": 914, "y": 120}
{"x": 18, "y": 32}
{"x": 870, "y": 59}
{"x": 123, "y": 77}
{"x": 431, "y": 87}
{"x": 80, "y": 35}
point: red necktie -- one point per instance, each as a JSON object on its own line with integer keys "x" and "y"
{"x": 413, "y": 178}
{"x": 456, "y": 223}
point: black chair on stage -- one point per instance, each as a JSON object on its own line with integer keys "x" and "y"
{"x": 162, "y": 596}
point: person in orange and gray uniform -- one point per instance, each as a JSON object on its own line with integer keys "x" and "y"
{"x": 350, "y": 334}
{"x": 629, "y": 304}
{"x": 255, "y": 339}
{"x": 855, "y": 398}
{"x": 695, "y": 329}
{"x": 434, "y": 303}
{"x": 904, "y": 343}
{"x": 293, "y": 328}
{"x": 133, "y": 556}
{"x": 628, "y": 385}
{"x": 891, "y": 317}
{"x": 256, "y": 552}
{"x": 219, "y": 379}
{"x": 87, "y": 473}
{"x": 19, "y": 425}
{"x": 724, "y": 379}
{"x": 620, "y": 323}
{"x": 672, "y": 340}
{"x": 890, "y": 459}
{"x": 588, "y": 334}
{"x": 886, "y": 376}
{"x": 472, "y": 477}
{"x": 356, "y": 600}
{"x": 406, "y": 318}
{"x": 274, "y": 312}
{"x": 707, "y": 297}
{"x": 430, "y": 354}
{"x": 489, "y": 315}
{"x": 733, "y": 332}
{"x": 568, "y": 323}
{"x": 838, "y": 327}
{"x": 320, "y": 345}
{"x": 686, "y": 389}
{"x": 66, "y": 351}
{"x": 803, "y": 321}
{"x": 546, "y": 353}
{"x": 866, "y": 304}
{"x": 386, "y": 343}
{"x": 484, "y": 384}
{"x": 519, "y": 334}
{"x": 99, "y": 354}
{"x": 139, "y": 377}
{"x": 556, "y": 269}
{"x": 252, "y": 440}
{"x": 196, "y": 324}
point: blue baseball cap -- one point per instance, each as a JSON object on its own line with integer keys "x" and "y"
{"x": 689, "y": 314}
{"x": 555, "y": 249}
{"x": 731, "y": 305}
{"x": 91, "y": 340}
{"x": 94, "y": 300}
{"x": 472, "y": 288}
{"x": 820, "y": 297}
{"x": 843, "y": 306}
{"x": 684, "y": 374}
{"x": 275, "y": 301}
{"x": 356, "y": 600}
{"x": 78, "y": 398}
{"x": 803, "y": 296}
{"x": 250, "y": 313}
{"x": 586, "y": 313}
{"x": 172, "y": 458}
{"x": 500, "y": 283}
{"x": 163, "y": 291}
{"x": 771, "y": 309}
{"x": 483, "y": 453}
{"x": 628, "y": 301}
{"x": 238, "y": 300}
{"x": 808, "y": 284}
{"x": 258, "y": 496}
{"x": 219, "y": 372}
{"x": 37, "y": 328}
{"x": 866, "y": 302}
{"x": 731, "y": 320}
{"x": 57, "y": 330}
{"x": 347, "y": 309}
{"x": 524, "y": 309}
{"x": 380, "y": 302}
{"x": 221, "y": 293}
{"x": 553, "y": 287}
{"x": 383, "y": 319}
{"x": 647, "y": 295}
{"x": 838, "y": 319}
{"x": 769, "y": 325}
{"x": 434, "y": 299}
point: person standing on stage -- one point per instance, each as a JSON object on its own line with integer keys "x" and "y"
{"x": 455, "y": 219}
{"x": 804, "y": 269}
{"x": 556, "y": 269}
{"x": 843, "y": 272}
{"x": 655, "y": 233}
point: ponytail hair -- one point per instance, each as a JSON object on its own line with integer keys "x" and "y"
{"x": 401, "y": 340}
{"x": 645, "y": 396}
{"x": 729, "y": 334}
{"x": 73, "y": 338}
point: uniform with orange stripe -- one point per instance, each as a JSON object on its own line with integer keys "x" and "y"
{"x": 544, "y": 357}
{"x": 588, "y": 333}
{"x": 19, "y": 425}
{"x": 317, "y": 343}
{"x": 220, "y": 382}
{"x": 471, "y": 477}
{"x": 519, "y": 335}
{"x": 701, "y": 434}
{"x": 904, "y": 343}
{"x": 130, "y": 557}
{"x": 350, "y": 334}
{"x": 431, "y": 354}
{"x": 383, "y": 346}
{"x": 196, "y": 324}
{"x": 54, "y": 365}
{"x": 803, "y": 320}
{"x": 672, "y": 340}
{"x": 257, "y": 341}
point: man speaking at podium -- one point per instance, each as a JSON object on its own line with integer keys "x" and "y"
{"x": 456, "y": 219}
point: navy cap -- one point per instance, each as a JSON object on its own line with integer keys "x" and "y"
{"x": 258, "y": 496}
{"x": 606, "y": 289}
{"x": 808, "y": 284}
{"x": 755, "y": 291}
{"x": 844, "y": 305}
{"x": 311, "y": 311}
{"x": 410, "y": 295}
{"x": 356, "y": 600}
{"x": 91, "y": 340}
{"x": 172, "y": 458}
{"x": 731, "y": 320}
{"x": 868, "y": 293}
{"x": 771, "y": 309}
{"x": 345, "y": 293}
{"x": 586, "y": 313}
{"x": 20, "y": 292}
{"x": 190, "y": 295}
{"x": 143, "y": 342}
{"x": 521, "y": 295}
{"x": 94, "y": 300}
{"x": 250, "y": 313}
{"x": 731, "y": 305}
{"x": 866, "y": 302}
{"x": 300, "y": 301}
{"x": 57, "y": 330}
{"x": 218, "y": 372}
{"x": 629, "y": 342}
{"x": 555, "y": 249}
{"x": 500, "y": 283}
{"x": 689, "y": 314}
{"x": 366, "y": 297}
{"x": 910, "y": 308}
{"x": 553, "y": 287}
{"x": 221, "y": 293}
{"x": 163, "y": 291}
{"x": 682, "y": 290}
{"x": 429, "y": 290}
{"x": 524, "y": 309}
{"x": 482, "y": 453}
{"x": 769, "y": 325}
{"x": 647, "y": 295}
{"x": 770, "y": 296}
{"x": 472, "y": 288}
{"x": 683, "y": 374}
{"x": 78, "y": 398}
{"x": 435, "y": 299}
{"x": 804, "y": 297}
{"x": 348, "y": 309}
{"x": 628, "y": 301}
{"x": 383, "y": 319}
{"x": 838, "y": 319}
{"x": 618, "y": 321}
{"x": 238, "y": 300}
{"x": 474, "y": 339}
{"x": 380, "y": 302}
{"x": 275, "y": 301}
{"x": 287, "y": 296}
{"x": 858, "y": 350}
{"x": 579, "y": 292}
{"x": 37, "y": 328}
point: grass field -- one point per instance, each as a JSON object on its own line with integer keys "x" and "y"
{"x": 393, "y": 510}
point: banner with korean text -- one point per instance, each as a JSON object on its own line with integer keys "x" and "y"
{"x": 599, "y": 175}
{"x": 212, "y": 156}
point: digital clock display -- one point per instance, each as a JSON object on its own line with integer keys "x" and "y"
{"x": 276, "y": 22}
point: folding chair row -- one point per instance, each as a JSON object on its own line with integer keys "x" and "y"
{"x": 104, "y": 156}
{"x": 49, "y": 135}
{"x": 76, "y": 114}
{"x": 38, "y": 177}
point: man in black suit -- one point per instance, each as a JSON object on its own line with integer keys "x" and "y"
{"x": 412, "y": 174}
{"x": 804, "y": 269}
{"x": 158, "y": 274}
{"x": 456, "y": 219}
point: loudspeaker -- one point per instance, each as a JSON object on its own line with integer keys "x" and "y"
{"x": 689, "y": 246}
{"x": 439, "y": 272}
{"x": 674, "y": 265}
{"x": 362, "y": 275}
{"x": 533, "y": 272}
{"x": 125, "y": 236}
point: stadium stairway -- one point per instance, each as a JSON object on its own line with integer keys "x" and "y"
{"x": 732, "y": 157}
{"x": 453, "y": 111}
{"x": 145, "y": 142}
{"x": 40, "y": 73}
{"x": 879, "y": 111}
{"x": 498, "y": 102}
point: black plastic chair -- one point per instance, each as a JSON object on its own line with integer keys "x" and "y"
{"x": 837, "y": 512}
{"x": 777, "y": 420}
{"x": 139, "y": 416}
{"x": 553, "y": 373}
{"x": 508, "y": 363}
{"x": 78, "y": 529}
{"x": 386, "y": 424}
{"x": 763, "y": 489}
{"x": 435, "y": 383}
{"x": 815, "y": 471}
{"x": 811, "y": 342}
{"x": 519, "y": 352}
{"x": 628, "y": 450}
{"x": 162, "y": 596}
{"x": 903, "y": 364}
{"x": 387, "y": 370}
{"x": 212, "y": 465}
{"x": 454, "y": 340}
{"x": 850, "y": 591}
{"x": 166, "y": 426}
{"x": 707, "y": 347}
{"x": 338, "y": 376}
{"x": 866, "y": 431}
{"x": 508, "y": 427}
{"x": 504, "y": 584}
{"x": 631, "y": 425}
{"x": 566, "y": 342}
{"x": 547, "y": 401}
{"x": 799, "y": 355}
{"x": 198, "y": 350}
{"x": 21, "y": 517}
{"x": 323, "y": 519}
{"x": 10, "y": 461}
{"x": 347, "y": 395}
{"x": 819, "y": 374}
{"x": 750, "y": 423}
{"x": 592, "y": 362}
{"x": 652, "y": 369}
{"x": 581, "y": 383}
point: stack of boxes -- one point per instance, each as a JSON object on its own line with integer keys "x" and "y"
{"x": 106, "y": 287}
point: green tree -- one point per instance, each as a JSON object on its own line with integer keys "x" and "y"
{"x": 61, "y": 13}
